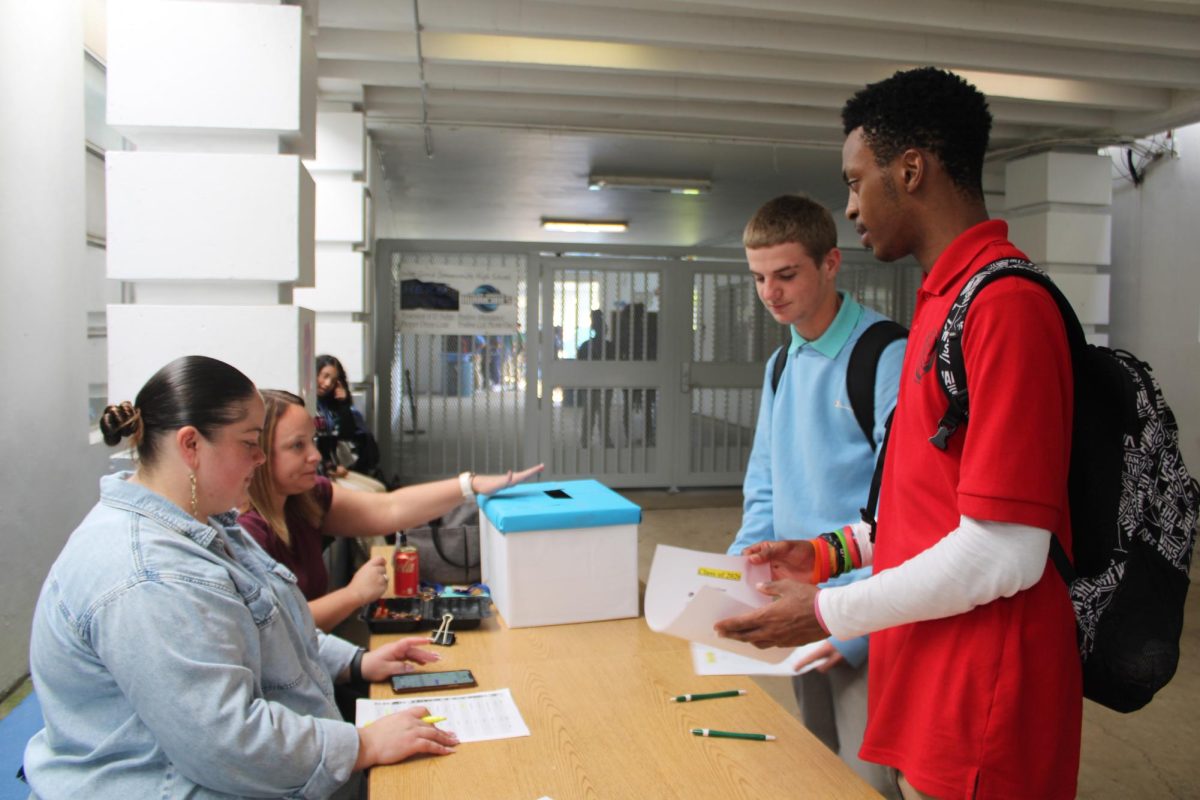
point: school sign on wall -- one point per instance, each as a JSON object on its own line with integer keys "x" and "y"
{"x": 456, "y": 296}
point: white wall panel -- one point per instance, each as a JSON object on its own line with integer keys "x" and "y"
{"x": 340, "y": 276}
{"x": 341, "y": 211}
{"x": 1058, "y": 178}
{"x": 1063, "y": 237}
{"x": 209, "y": 216}
{"x": 1088, "y": 294}
{"x": 261, "y": 341}
{"x": 207, "y": 66}
{"x": 341, "y": 143}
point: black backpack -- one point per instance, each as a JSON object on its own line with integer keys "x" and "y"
{"x": 1133, "y": 503}
{"x": 860, "y": 372}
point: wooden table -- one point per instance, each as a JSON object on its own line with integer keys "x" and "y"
{"x": 594, "y": 696}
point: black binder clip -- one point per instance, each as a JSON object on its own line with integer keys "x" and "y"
{"x": 443, "y": 635}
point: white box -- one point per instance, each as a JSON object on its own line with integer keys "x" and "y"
{"x": 555, "y": 553}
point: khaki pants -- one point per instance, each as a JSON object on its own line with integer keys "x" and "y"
{"x": 833, "y": 706}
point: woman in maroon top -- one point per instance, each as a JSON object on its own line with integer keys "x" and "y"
{"x": 292, "y": 507}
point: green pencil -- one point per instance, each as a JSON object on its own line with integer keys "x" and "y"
{"x": 687, "y": 698}
{"x": 758, "y": 737}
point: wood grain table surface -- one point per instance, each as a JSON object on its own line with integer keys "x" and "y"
{"x": 595, "y": 698}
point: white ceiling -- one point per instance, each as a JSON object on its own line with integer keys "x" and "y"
{"x": 518, "y": 101}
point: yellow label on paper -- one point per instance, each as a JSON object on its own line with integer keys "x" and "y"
{"x": 723, "y": 574}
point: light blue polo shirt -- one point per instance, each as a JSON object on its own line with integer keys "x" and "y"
{"x": 810, "y": 467}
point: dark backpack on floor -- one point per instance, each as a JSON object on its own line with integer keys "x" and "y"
{"x": 860, "y": 372}
{"x": 1133, "y": 503}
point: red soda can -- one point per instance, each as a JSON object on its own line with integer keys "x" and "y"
{"x": 406, "y": 569}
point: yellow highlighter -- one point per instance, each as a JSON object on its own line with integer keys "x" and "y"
{"x": 432, "y": 720}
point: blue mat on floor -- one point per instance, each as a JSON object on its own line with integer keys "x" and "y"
{"x": 15, "y": 730}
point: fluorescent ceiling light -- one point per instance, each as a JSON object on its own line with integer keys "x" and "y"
{"x": 638, "y": 184}
{"x": 584, "y": 225}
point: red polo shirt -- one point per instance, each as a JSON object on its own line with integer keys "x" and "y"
{"x": 985, "y": 704}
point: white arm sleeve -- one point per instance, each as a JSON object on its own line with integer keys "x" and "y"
{"x": 976, "y": 563}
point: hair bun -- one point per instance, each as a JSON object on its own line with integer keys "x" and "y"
{"x": 120, "y": 421}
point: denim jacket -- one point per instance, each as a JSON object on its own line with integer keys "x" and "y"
{"x": 175, "y": 659}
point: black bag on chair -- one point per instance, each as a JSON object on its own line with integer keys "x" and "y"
{"x": 448, "y": 547}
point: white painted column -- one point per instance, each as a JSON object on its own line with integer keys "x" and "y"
{"x": 1059, "y": 211}
{"x": 49, "y": 473}
{"x": 340, "y": 295}
{"x": 211, "y": 219}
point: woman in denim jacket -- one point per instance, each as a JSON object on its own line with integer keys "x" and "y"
{"x": 172, "y": 657}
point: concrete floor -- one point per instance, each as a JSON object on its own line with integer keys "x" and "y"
{"x": 1151, "y": 753}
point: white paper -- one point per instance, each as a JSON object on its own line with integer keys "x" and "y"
{"x": 689, "y": 591}
{"x": 476, "y": 717}
{"x": 711, "y": 661}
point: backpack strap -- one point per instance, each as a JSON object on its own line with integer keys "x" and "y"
{"x": 952, "y": 370}
{"x": 860, "y": 373}
{"x": 777, "y": 367}
{"x": 868, "y": 512}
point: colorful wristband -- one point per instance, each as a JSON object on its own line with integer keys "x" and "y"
{"x": 852, "y": 544}
{"x": 847, "y": 560}
{"x": 822, "y": 558}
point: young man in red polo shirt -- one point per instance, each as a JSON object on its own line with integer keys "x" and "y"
{"x": 975, "y": 679}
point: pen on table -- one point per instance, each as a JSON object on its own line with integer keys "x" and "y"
{"x": 432, "y": 720}
{"x": 687, "y": 698}
{"x": 758, "y": 737}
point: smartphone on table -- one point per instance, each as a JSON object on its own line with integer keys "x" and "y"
{"x": 421, "y": 681}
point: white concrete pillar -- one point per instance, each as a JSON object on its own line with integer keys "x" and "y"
{"x": 340, "y": 296}
{"x": 211, "y": 218}
{"x": 1059, "y": 211}
{"x": 49, "y": 473}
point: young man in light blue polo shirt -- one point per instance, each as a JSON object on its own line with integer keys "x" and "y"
{"x": 811, "y": 465}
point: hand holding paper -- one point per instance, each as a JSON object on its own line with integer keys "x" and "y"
{"x": 788, "y": 558}
{"x": 788, "y": 622}
{"x": 689, "y": 591}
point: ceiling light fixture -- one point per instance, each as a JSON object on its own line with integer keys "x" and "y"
{"x": 639, "y": 184}
{"x": 585, "y": 225}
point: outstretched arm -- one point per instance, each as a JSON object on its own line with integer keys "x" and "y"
{"x": 369, "y": 514}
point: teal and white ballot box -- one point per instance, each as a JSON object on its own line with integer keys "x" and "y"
{"x": 559, "y": 552}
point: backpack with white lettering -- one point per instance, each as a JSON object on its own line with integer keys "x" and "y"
{"x": 1133, "y": 503}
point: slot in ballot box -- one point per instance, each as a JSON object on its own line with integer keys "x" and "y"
{"x": 560, "y": 552}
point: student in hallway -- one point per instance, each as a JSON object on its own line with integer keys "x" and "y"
{"x": 811, "y": 464}
{"x": 343, "y": 423}
{"x": 172, "y": 656}
{"x": 975, "y": 687}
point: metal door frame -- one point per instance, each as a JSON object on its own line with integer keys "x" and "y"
{"x": 646, "y": 374}
{"x": 674, "y": 317}
{"x": 692, "y": 375}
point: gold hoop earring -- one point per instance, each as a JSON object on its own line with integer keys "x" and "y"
{"x": 195, "y": 506}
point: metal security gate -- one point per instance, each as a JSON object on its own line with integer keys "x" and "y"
{"x": 458, "y": 401}
{"x": 729, "y": 335}
{"x": 602, "y": 380}
{"x": 633, "y": 371}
